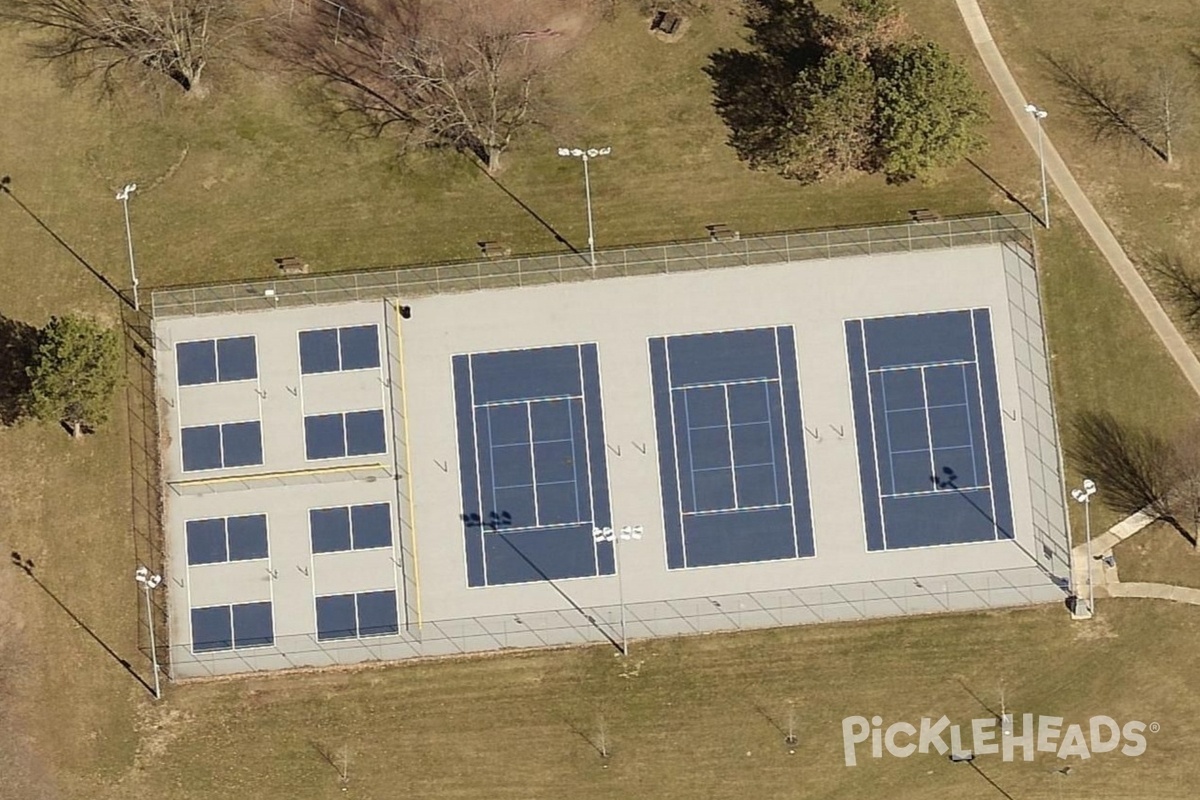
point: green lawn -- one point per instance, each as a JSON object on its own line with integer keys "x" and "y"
{"x": 262, "y": 178}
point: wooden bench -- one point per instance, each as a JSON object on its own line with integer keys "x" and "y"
{"x": 923, "y": 215}
{"x": 665, "y": 22}
{"x": 291, "y": 265}
{"x": 494, "y": 249}
{"x": 720, "y": 232}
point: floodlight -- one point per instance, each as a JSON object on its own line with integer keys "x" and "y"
{"x": 1039, "y": 115}
{"x": 123, "y": 196}
{"x": 586, "y": 155}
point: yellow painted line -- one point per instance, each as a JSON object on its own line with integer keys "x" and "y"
{"x": 412, "y": 503}
{"x": 262, "y": 476}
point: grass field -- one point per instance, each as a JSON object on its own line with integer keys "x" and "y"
{"x": 261, "y": 179}
{"x": 1159, "y": 555}
{"x": 1148, "y": 204}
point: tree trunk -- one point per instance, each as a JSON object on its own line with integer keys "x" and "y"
{"x": 76, "y": 429}
{"x": 493, "y": 160}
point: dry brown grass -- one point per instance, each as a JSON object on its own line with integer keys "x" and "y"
{"x": 249, "y": 175}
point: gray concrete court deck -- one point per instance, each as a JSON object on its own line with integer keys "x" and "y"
{"x": 418, "y": 475}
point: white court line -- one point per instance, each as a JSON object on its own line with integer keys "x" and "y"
{"x": 928, "y": 430}
{"x": 675, "y": 442}
{"x": 862, "y": 328}
{"x": 729, "y": 438}
{"x": 919, "y": 365}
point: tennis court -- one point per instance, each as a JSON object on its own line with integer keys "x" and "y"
{"x": 731, "y": 447}
{"x": 930, "y": 439}
{"x": 534, "y": 479}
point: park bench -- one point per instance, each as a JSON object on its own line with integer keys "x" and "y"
{"x": 923, "y": 215}
{"x": 494, "y": 249}
{"x": 291, "y": 265}
{"x": 665, "y": 22}
{"x": 720, "y": 232}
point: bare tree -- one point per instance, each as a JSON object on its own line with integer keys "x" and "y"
{"x": 1167, "y": 108}
{"x": 457, "y": 73}
{"x": 166, "y": 37}
{"x": 1132, "y": 464}
{"x": 1112, "y": 107}
{"x": 602, "y": 736}
{"x": 1139, "y": 470}
{"x": 1182, "y": 284}
{"x": 339, "y": 760}
{"x": 1185, "y": 494}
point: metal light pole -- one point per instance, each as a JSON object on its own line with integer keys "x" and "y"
{"x": 586, "y": 156}
{"x": 608, "y": 535}
{"x": 1084, "y": 496}
{"x": 148, "y": 582}
{"x": 1038, "y": 115}
{"x": 123, "y": 196}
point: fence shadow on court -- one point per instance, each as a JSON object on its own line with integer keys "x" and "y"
{"x": 493, "y": 524}
{"x": 27, "y": 566}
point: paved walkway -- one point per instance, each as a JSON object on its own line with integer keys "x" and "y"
{"x": 1157, "y": 591}
{"x": 1065, "y": 182}
{"x": 1106, "y": 580}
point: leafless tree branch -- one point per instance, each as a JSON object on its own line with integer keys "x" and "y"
{"x": 457, "y": 73}
{"x": 1112, "y": 108}
{"x": 174, "y": 38}
{"x": 1182, "y": 284}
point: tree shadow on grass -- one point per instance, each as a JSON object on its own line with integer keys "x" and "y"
{"x": 751, "y": 87}
{"x": 18, "y": 343}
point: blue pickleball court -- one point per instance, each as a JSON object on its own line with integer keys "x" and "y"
{"x": 534, "y": 478}
{"x": 929, "y": 433}
{"x": 731, "y": 447}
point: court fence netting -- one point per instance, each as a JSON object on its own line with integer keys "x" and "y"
{"x": 537, "y": 270}
{"x": 578, "y": 625}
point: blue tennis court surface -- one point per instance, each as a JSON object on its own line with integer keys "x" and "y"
{"x": 731, "y": 447}
{"x": 930, "y": 442}
{"x": 534, "y": 479}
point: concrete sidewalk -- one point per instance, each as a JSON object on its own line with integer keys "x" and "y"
{"x": 1069, "y": 188}
{"x": 1155, "y": 591}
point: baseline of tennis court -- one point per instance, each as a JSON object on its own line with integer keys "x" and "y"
{"x": 534, "y": 478}
{"x": 930, "y": 440}
{"x": 731, "y": 447}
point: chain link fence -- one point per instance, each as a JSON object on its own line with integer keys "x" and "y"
{"x": 537, "y": 270}
{"x": 692, "y": 615}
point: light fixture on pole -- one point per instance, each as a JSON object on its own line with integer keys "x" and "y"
{"x": 1038, "y": 115}
{"x": 1084, "y": 496}
{"x": 149, "y": 582}
{"x": 586, "y": 156}
{"x": 609, "y": 535}
{"x": 123, "y": 196}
